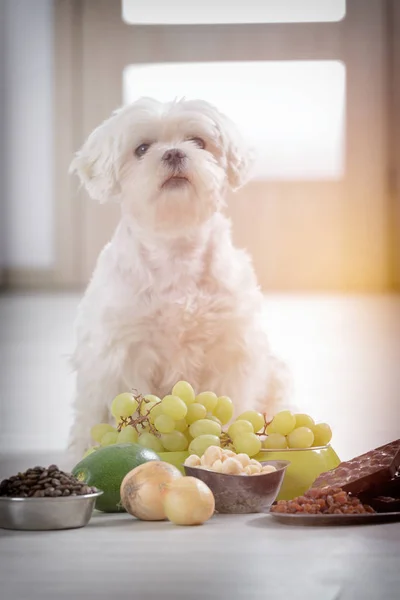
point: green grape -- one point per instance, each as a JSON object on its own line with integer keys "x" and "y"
{"x": 164, "y": 424}
{"x": 200, "y": 444}
{"x": 239, "y": 427}
{"x": 128, "y": 435}
{"x": 283, "y": 422}
{"x": 224, "y": 409}
{"x": 146, "y": 407}
{"x": 148, "y": 440}
{"x": 184, "y": 391}
{"x": 181, "y": 425}
{"x": 109, "y": 438}
{"x": 207, "y": 399}
{"x": 255, "y": 418}
{"x": 99, "y": 430}
{"x": 304, "y": 421}
{"x": 195, "y": 412}
{"x": 89, "y": 451}
{"x": 322, "y": 434}
{"x": 175, "y": 441}
{"x": 275, "y": 441}
{"x": 204, "y": 427}
{"x": 187, "y": 435}
{"x": 155, "y": 412}
{"x": 247, "y": 443}
{"x": 142, "y": 428}
{"x": 213, "y": 418}
{"x": 174, "y": 407}
{"x": 152, "y": 398}
{"x": 123, "y": 405}
{"x": 302, "y": 437}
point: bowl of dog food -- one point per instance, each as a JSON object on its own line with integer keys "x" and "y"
{"x": 45, "y": 499}
{"x": 240, "y": 485}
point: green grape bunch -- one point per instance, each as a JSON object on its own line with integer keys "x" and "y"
{"x": 184, "y": 421}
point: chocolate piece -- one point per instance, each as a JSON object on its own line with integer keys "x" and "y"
{"x": 364, "y": 472}
{"x": 383, "y": 504}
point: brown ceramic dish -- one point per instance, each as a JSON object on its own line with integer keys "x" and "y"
{"x": 240, "y": 494}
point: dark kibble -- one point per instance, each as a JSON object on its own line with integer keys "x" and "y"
{"x": 40, "y": 482}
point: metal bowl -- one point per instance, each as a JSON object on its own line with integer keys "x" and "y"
{"x": 47, "y": 513}
{"x": 240, "y": 494}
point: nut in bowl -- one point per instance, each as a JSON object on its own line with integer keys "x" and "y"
{"x": 240, "y": 494}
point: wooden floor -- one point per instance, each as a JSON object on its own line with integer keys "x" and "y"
{"x": 344, "y": 353}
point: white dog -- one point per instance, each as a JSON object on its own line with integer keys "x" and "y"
{"x": 170, "y": 298}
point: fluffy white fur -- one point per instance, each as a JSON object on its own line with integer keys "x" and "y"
{"x": 171, "y": 298}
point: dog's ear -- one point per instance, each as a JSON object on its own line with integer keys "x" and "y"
{"x": 239, "y": 157}
{"x": 96, "y": 164}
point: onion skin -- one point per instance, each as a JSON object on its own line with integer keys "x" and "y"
{"x": 141, "y": 489}
{"x": 188, "y": 501}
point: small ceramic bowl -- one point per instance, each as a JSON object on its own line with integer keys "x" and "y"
{"x": 305, "y": 466}
{"x": 240, "y": 494}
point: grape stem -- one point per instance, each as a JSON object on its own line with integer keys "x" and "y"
{"x": 135, "y": 421}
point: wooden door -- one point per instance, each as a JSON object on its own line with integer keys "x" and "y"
{"x": 303, "y": 235}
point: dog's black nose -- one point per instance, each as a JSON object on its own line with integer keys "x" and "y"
{"x": 174, "y": 157}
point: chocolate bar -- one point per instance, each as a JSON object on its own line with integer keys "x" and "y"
{"x": 366, "y": 472}
{"x": 384, "y": 497}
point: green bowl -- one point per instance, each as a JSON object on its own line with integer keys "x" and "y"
{"x": 174, "y": 458}
{"x": 305, "y": 466}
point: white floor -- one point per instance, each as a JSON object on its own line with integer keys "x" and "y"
{"x": 344, "y": 353}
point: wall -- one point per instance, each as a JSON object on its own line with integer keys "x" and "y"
{"x": 28, "y": 130}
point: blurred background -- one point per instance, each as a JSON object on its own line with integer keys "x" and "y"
{"x": 314, "y": 86}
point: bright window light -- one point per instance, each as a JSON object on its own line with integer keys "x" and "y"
{"x": 170, "y": 12}
{"x": 292, "y": 113}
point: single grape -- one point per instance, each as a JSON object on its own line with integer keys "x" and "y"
{"x": 255, "y": 418}
{"x": 247, "y": 443}
{"x": 200, "y": 444}
{"x": 275, "y": 441}
{"x": 283, "y": 422}
{"x": 152, "y": 398}
{"x": 224, "y": 409}
{"x": 204, "y": 427}
{"x": 146, "y": 407}
{"x": 322, "y": 434}
{"x": 148, "y": 440}
{"x": 164, "y": 424}
{"x": 301, "y": 437}
{"x": 207, "y": 399}
{"x": 99, "y": 430}
{"x": 155, "y": 412}
{"x": 213, "y": 418}
{"x": 89, "y": 451}
{"x": 123, "y": 405}
{"x": 109, "y": 438}
{"x": 175, "y": 441}
{"x": 174, "y": 407}
{"x": 239, "y": 427}
{"x": 195, "y": 412}
{"x": 187, "y": 435}
{"x": 184, "y": 391}
{"x": 128, "y": 435}
{"x": 304, "y": 421}
{"x": 181, "y": 425}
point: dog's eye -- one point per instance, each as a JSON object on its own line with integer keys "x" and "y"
{"x": 200, "y": 143}
{"x": 141, "y": 150}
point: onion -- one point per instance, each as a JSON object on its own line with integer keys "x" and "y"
{"x": 188, "y": 501}
{"x": 141, "y": 489}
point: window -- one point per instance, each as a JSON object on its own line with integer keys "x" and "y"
{"x": 292, "y": 113}
{"x": 226, "y": 11}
